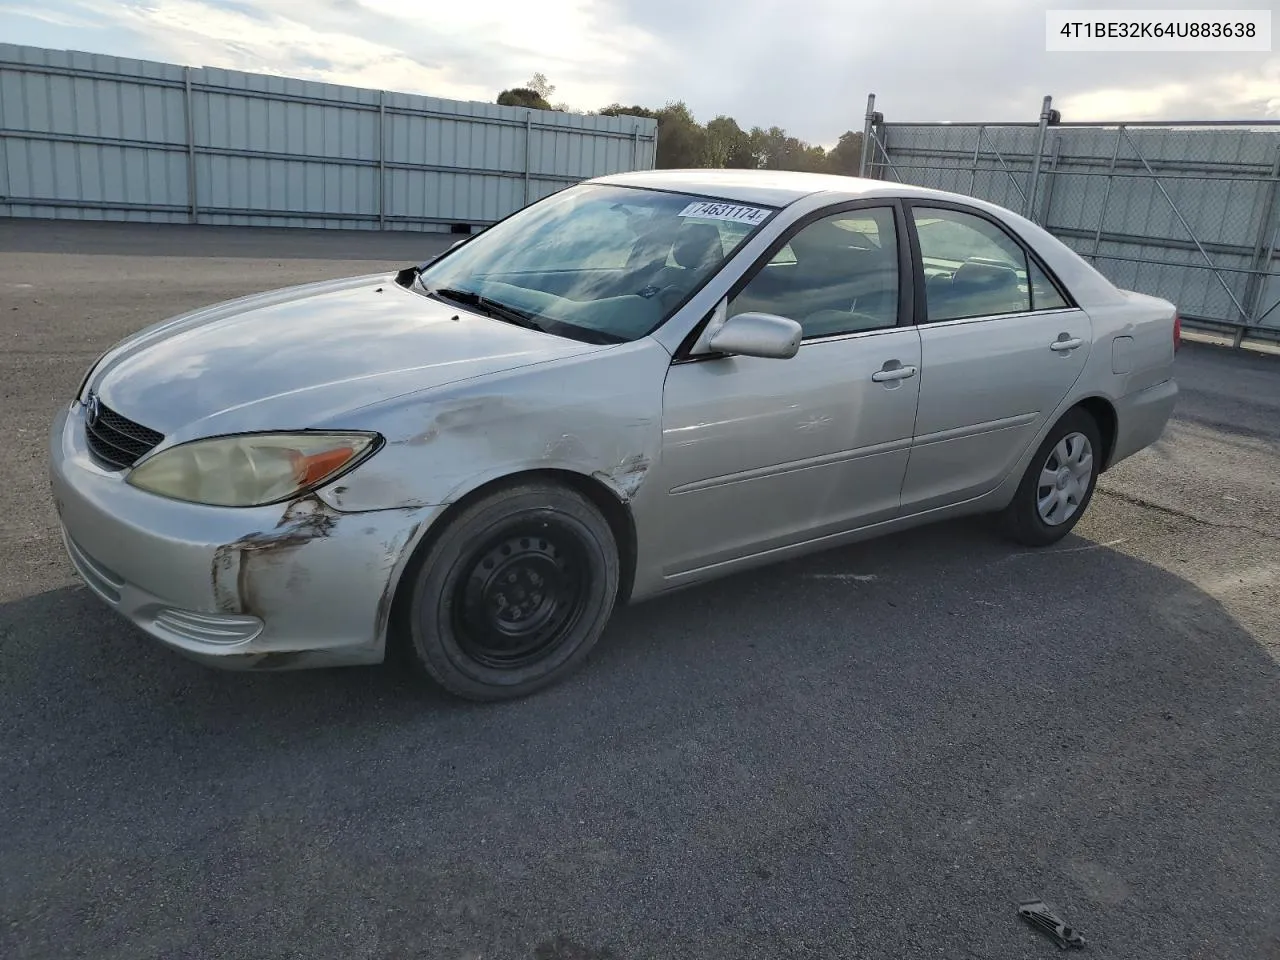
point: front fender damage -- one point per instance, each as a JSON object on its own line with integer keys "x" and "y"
{"x": 625, "y": 478}
{"x": 471, "y": 441}
{"x": 597, "y": 416}
{"x": 237, "y": 567}
{"x": 321, "y": 580}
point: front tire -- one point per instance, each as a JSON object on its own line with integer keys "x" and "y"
{"x": 514, "y": 593}
{"x": 1058, "y": 484}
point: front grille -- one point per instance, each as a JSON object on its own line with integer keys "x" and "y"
{"x": 115, "y": 440}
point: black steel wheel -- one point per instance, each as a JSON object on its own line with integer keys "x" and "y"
{"x": 514, "y": 593}
{"x": 520, "y": 595}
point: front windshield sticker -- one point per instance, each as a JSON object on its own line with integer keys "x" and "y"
{"x": 726, "y": 211}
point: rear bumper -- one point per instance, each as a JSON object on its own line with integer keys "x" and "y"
{"x": 283, "y": 586}
{"x": 1141, "y": 418}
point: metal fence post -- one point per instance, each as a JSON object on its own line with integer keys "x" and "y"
{"x": 193, "y": 210}
{"x": 1259, "y": 314}
{"x": 866, "y": 134}
{"x": 635, "y": 146}
{"x": 1030, "y": 200}
{"x": 1050, "y": 178}
{"x": 1106, "y": 193}
{"x": 382, "y": 159}
{"x": 528, "y": 137}
{"x": 1267, "y": 227}
{"x": 973, "y": 170}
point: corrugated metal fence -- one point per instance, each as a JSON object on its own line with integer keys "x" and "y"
{"x": 1187, "y": 211}
{"x": 93, "y": 137}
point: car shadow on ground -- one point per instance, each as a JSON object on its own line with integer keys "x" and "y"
{"x": 884, "y": 745}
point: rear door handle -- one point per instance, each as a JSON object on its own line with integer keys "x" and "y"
{"x": 895, "y": 373}
{"x": 1060, "y": 345}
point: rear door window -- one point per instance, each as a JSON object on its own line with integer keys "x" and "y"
{"x": 972, "y": 268}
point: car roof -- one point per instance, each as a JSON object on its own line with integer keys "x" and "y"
{"x": 780, "y": 188}
{"x": 774, "y": 188}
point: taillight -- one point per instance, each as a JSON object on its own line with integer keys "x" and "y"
{"x": 1177, "y": 332}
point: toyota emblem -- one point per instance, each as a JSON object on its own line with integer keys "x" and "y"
{"x": 92, "y": 406}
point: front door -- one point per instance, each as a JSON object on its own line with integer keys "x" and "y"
{"x": 759, "y": 454}
{"x": 1002, "y": 346}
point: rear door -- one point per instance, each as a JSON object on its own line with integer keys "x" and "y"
{"x": 1001, "y": 344}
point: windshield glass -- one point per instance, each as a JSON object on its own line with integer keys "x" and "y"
{"x": 594, "y": 262}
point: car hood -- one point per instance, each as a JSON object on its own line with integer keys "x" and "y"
{"x": 299, "y": 357}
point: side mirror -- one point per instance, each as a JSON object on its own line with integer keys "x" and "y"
{"x": 757, "y": 335}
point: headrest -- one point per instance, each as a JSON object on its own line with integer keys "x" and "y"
{"x": 818, "y": 239}
{"x": 697, "y": 244}
{"x": 985, "y": 276}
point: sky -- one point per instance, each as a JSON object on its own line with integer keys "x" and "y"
{"x": 804, "y": 65}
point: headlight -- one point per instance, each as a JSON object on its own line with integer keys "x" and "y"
{"x": 253, "y": 469}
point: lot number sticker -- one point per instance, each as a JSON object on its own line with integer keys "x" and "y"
{"x": 726, "y": 211}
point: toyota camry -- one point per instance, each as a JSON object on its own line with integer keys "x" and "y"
{"x": 637, "y": 384}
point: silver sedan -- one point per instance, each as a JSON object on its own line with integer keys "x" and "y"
{"x": 640, "y": 383}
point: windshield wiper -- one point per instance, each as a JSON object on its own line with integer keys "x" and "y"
{"x": 521, "y": 318}
{"x": 499, "y": 311}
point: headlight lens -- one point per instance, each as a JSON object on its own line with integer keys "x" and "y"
{"x": 252, "y": 469}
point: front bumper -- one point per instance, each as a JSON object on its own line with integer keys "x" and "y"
{"x": 285, "y": 586}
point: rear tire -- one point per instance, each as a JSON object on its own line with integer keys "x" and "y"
{"x": 513, "y": 594}
{"x": 1058, "y": 484}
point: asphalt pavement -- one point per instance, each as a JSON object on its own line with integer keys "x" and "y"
{"x": 873, "y": 752}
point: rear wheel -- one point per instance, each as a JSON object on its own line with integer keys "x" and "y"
{"x": 1058, "y": 484}
{"x": 514, "y": 593}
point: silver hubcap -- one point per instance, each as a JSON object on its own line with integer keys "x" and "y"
{"x": 1064, "y": 479}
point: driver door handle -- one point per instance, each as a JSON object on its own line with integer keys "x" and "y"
{"x": 1060, "y": 345}
{"x": 888, "y": 373}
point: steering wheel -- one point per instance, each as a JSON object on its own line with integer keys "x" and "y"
{"x": 666, "y": 295}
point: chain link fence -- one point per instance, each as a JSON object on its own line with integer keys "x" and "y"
{"x": 1185, "y": 210}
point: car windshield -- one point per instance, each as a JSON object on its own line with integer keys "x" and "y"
{"x": 595, "y": 262}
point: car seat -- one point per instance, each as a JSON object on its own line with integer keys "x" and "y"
{"x": 696, "y": 246}
{"x": 979, "y": 288}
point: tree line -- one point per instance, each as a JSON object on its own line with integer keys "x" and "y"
{"x": 683, "y": 142}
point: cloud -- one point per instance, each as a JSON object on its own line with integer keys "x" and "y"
{"x": 54, "y": 18}
{"x": 277, "y": 38}
{"x": 806, "y": 65}
{"x": 1240, "y": 95}
{"x": 452, "y": 50}
{"x": 809, "y": 64}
